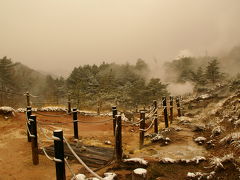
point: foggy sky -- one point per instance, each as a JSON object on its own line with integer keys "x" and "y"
{"x": 56, "y": 35}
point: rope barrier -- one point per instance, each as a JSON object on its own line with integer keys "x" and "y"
{"x": 31, "y": 135}
{"x": 81, "y": 161}
{"x": 44, "y": 151}
{"x": 70, "y": 169}
{"x": 95, "y": 121}
{"x": 145, "y": 130}
{"x": 61, "y": 123}
{"x": 49, "y": 138}
{"x": 48, "y": 115}
{"x": 57, "y": 123}
{"x": 33, "y": 96}
{"x": 134, "y": 122}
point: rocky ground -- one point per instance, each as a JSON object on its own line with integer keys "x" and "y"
{"x": 203, "y": 144}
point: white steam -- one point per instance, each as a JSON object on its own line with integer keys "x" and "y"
{"x": 177, "y": 89}
{"x": 184, "y": 53}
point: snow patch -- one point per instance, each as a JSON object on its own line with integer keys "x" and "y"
{"x": 140, "y": 171}
{"x": 167, "y": 160}
{"x": 6, "y": 109}
{"x": 53, "y": 109}
{"x": 138, "y": 160}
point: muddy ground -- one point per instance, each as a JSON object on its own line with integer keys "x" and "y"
{"x": 16, "y": 162}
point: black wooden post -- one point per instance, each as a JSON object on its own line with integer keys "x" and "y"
{"x": 181, "y": 107}
{"x": 59, "y": 155}
{"x": 98, "y": 107}
{"x": 114, "y": 113}
{"x": 118, "y": 138}
{"x": 34, "y": 139}
{"x": 75, "y": 123}
{"x": 69, "y": 102}
{"x": 171, "y": 109}
{"x": 165, "y": 111}
{"x": 28, "y": 98}
{"x": 28, "y": 114}
{"x": 155, "y": 116}
{"x": 142, "y": 127}
{"x": 178, "y": 106}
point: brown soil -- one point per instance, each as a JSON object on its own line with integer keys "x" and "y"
{"x": 15, "y": 151}
{"x": 16, "y": 158}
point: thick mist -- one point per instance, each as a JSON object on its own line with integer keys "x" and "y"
{"x": 55, "y": 36}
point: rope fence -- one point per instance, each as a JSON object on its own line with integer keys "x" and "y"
{"x": 58, "y": 139}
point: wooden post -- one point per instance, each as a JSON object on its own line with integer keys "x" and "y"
{"x": 28, "y": 114}
{"x": 34, "y": 139}
{"x": 75, "y": 123}
{"x": 155, "y": 117}
{"x": 139, "y": 174}
{"x": 98, "y": 108}
{"x": 165, "y": 111}
{"x": 114, "y": 113}
{"x": 69, "y": 102}
{"x": 59, "y": 155}
{"x": 181, "y": 107}
{"x": 142, "y": 126}
{"x": 178, "y": 106}
{"x": 28, "y": 99}
{"x": 118, "y": 138}
{"x": 171, "y": 109}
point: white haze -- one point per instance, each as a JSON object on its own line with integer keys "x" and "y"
{"x": 177, "y": 89}
{"x": 56, "y": 35}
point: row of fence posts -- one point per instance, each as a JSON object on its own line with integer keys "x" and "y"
{"x": 117, "y": 132}
{"x": 58, "y": 142}
{"x": 117, "y": 125}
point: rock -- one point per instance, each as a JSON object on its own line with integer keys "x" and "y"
{"x": 109, "y": 176}
{"x": 80, "y": 177}
{"x": 139, "y": 174}
{"x": 200, "y": 140}
{"x": 199, "y": 128}
{"x": 107, "y": 142}
{"x": 216, "y": 131}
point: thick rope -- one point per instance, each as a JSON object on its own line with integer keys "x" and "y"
{"x": 31, "y": 135}
{"x": 48, "y": 115}
{"x": 44, "y": 151}
{"x": 42, "y": 130}
{"x": 60, "y": 123}
{"x": 70, "y": 169}
{"x": 145, "y": 130}
{"x": 81, "y": 161}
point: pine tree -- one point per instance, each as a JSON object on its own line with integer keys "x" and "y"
{"x": 212, "y": 72}
{"x": 6, "y": 74}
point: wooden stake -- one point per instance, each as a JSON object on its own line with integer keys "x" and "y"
{"x": 178, "y": 106}
{"x": 75, "y": 123}
{"x": 59, "y": 155}
{"x": 142, "y": 126}
{"x": 165, "y": 111}
{"x": 118, "y": 138}
{"x": 155, "y": 116}
{"x": 114, "y": 113}
{"x": 28, "y": 114}
{"x": 28, "y": 98}
{"x": 171, "y": 109}
{"x": 34, "y": 139}
{"x": 69, "y": 102}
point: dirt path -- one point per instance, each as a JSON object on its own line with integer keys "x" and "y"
{"x": 182, "y": 147}
{"x": 15, "y": 151}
